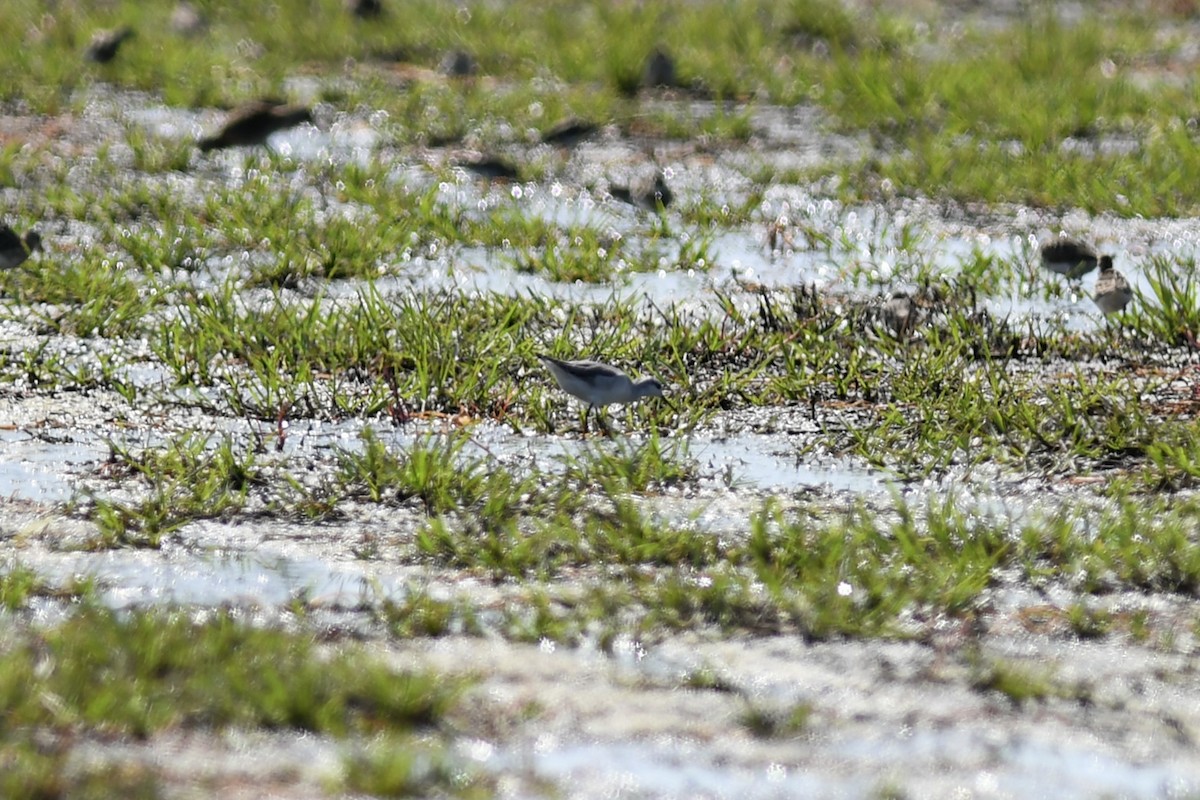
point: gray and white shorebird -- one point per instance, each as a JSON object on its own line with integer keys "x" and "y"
{"x": 105, "y": 44}
{"x": 252, "y": 123}
{"x": 490, "y": 168}
{"x": 365, "y": 9}
{"x": 569, "y": 132}
{"x": 458, "y": 64}
{"x": 1069, "y": 257}
{"x": 659, "y": 71}
{"x": 653, "y": 196}
{"x": 15, "y": 249}
{"x": 1112, "y": 292}
{"x": 900, "y": 314}
{"x": 599, "y": 385}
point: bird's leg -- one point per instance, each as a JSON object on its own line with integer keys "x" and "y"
{"x": 586, "y": 411}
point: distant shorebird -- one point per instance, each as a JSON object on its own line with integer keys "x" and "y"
{"x": 365, "y": 9}
{"x": 1112, "y": 290}
{"x": 458, "y": 64}
{"x": 599, "y": 385}
{"x": 659, "y": 70}
{"x": 653, "y": 197}
{"x": 1069, "y": 257}
{"x": 900, "y": 314}
{"x": 492, "y": 168}
{"x": 569, "y": 133}
{"x": 15, "y": 249}
{"x": 105, "y": 44}
{"x": 254, "y": 122}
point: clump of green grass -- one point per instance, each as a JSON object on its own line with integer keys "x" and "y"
{"x": 964, "y": 403}
{"x": 430, "y": 471}
{"x": 188, "y": 479}
{"x": 28, "y": 770}
{"x": 848, "y": 577}
{"x": 766, "y": 722}
{"x": 420, "y": 615}
{"x": 707, "y": 679}
{"x": 572, "y": 535}
{"x": 585, "y": 259}
{"x": 625, "y": 466}
{"x": 156, "y": 155}
{"x": 402, "y": 767}
{"x": 1088, "y": 623}
{"x": 441, "y": 351}
{"x": 1173, "y": 462}
{"x": 1018, "y": 683}
{"x": 19, "y": 584}
{"x": 437, "y": 472}
{"x": 861, "y": 574}
{"x": 498, "y": 545}
{"x": 141, "y": 673}
{"x": 720, "y": 599}
{"x": 1125, "y": 550}
{"x": 97, "y": 295}
{"x": 821, "y": 21}
{"x": 627, "y": 536}
{"x": 1170, "y": 312}
{"x": 955, "y": 144}
{"x": 537, "y": 618}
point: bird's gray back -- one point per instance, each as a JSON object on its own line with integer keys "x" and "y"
{"x": 588, "y": 370}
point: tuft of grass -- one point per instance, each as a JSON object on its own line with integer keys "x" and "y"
{"x": 583, "y": 255}
{"x": 188, "y": 479}
{"x": 1170, "y": 312}
{"x": 19, "y": 584}
{"x": 766, "y": 722}
{"x": 103, "y": 674}
{"x": 434, "y": 471}
{"x": 1018, "y": 683}
{"x": 624, "y": 466}
{"x": 821, "y": 22}
{"x": 849, "y": 576}
{"x": 96, "y": 296}
{"x": 373, "y": 354}
{"x": 708, "y": 679}
{"x": 156, "y": 155}
{"x": 1089, "y": 623}
{"x": 169, "y": 671}
{"x": 420, "y": 615}
{"x": 568, "y": 537}
{"x": 402, "y": 767}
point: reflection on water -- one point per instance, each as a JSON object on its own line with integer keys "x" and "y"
{"x": 755, "y": 461}
{"x": 38, "y": 470}
{"x": 148, "y": 578}
{"x": 679, "y": 769}
{"x": 1017, "y": 766}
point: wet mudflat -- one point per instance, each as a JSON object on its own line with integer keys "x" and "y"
{"x": 292, "y": 509}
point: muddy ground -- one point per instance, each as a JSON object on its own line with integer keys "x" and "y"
{"x": 911, "y": 717}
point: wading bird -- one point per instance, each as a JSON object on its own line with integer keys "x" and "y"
{"x": 1069, "y": 257}
{"x": 1112, "y": 290}
{"x": 252, "y": 123}
{"x": 15, "y": 249}
{"x": 105, "y": 44}
{"x": 599, "y": 385}
{"x": 652, "y": 197}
